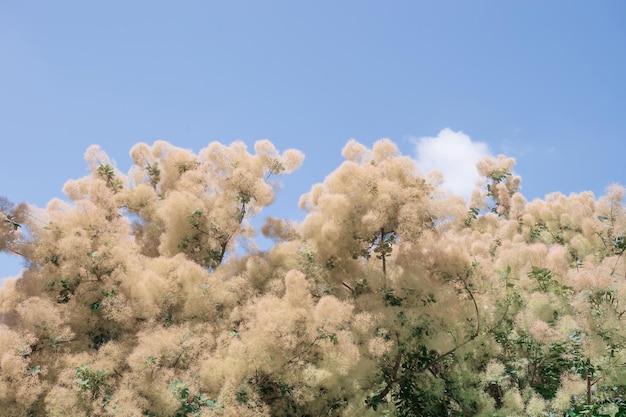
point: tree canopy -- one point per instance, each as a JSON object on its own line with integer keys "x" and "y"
{"x": 392, "y": 297}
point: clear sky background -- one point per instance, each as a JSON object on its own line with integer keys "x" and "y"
{"x": 448, "y": 81}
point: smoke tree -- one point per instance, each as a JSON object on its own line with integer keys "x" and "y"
{"x": 392, "y": 296}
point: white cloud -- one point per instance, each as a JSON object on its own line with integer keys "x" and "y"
{"x": 455, "y": 155}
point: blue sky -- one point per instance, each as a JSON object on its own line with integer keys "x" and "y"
{"x": 544, "y": 82}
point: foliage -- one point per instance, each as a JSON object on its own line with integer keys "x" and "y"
{"x": 190, "y": 404}
{"x": 144, "y": 294}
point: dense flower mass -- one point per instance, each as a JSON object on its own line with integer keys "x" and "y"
{"x": 392, "y": 297}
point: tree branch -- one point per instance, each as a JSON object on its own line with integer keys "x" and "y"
{"x": 471, "y": 294}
